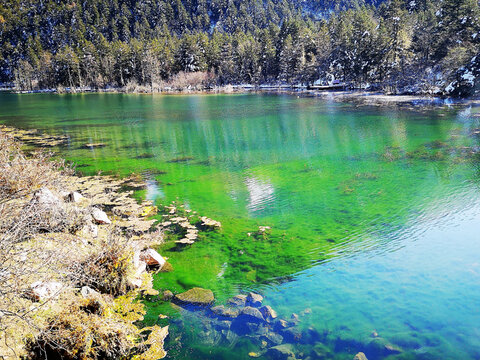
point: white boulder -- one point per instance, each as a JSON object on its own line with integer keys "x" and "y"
{"x": 152, "y": 258}
{"x": 45, "y": 197}
{"x": 41, "y": 291}
{"x": 100, "y": 217}
{"x": 87, "y": 291}
{"x": 74, "y": 197}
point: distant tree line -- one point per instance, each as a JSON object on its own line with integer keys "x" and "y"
{"x": 397, "y": 45}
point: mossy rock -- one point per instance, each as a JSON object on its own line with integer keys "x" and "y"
{"x": 380, "y": 347}
{"x": 321, "y": 351}
{"x": 196, "y": 296}
{"x": 167, "y": 267}
{"x": 281, "y": 352}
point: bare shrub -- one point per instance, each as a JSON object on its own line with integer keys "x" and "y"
{"x": 190, "y": 80}
{"x": 20, "y": 176}
{"x": 22, "y": 263}
{"x": 132, "y": 86}
{"x": 89, "y": 328}
{"x": 108, "y": 269}
{"x": 38, "y": 246}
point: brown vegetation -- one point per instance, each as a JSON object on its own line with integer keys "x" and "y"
{"x": 49, "y": 252}
{"x": 183, "y": 81}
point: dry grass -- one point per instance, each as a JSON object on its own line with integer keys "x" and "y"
{"x": 21, "y": 219}
{"x": 107, "y": 269}
{"x": 39, "y": 243}
{"x": 20, "y": 176}
{"x": 183, "y": 81}
{"x": 86, "y": 329}
{"x": 190, "y": 80}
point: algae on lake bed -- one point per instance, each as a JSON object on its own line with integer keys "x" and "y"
{"x": 372, "y": 210}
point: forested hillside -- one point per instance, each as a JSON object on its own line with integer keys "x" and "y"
{"x": 397, "y": 45}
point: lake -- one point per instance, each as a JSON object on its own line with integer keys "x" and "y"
{"x": 374, "y": 213}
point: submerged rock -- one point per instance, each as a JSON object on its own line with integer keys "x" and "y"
{"x": 392, "y": 349}
{"x": 407, "y": 340}
{"x": 310, "y": 335}
{"x": 268, "y": 313}
{"x": 218, "y": 310}
{"x": 229, "y": 336}
{"x": 273, "y": 338}
{"x": 281, "y": 352}
{"x": 281, "y": 324}
{"x": 252, "y": 314}
{"x": 238, "y": 300}
{"x": 379, "y": 347}
{"x": 291, "y": 334}
{"x": 181, "y": 159}
{"x": 254, "y": 299}
{"x": 262, "y": 330}
{"x": 360, "y": 356}
{"x": 196, "y": 296}
{"x": 251, "y": 327}
{"x": 321, "y": 351}
{"x": 167, "y": 295}
{"x": 100, "y": 217}
{"x": 225, "y": 324}
{"x": 209, "y": 337}
{"x": 222, "y": 310}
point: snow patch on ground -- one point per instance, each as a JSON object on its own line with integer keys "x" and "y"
{"x": 469, "y": 77}
{"x": 450, "y": 88}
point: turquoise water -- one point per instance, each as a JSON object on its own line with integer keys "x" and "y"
{"x": 375, "y": 211}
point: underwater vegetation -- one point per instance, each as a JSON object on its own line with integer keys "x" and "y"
{"x": 364, "y": 215}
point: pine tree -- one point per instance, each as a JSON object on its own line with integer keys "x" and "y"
{"x": 458, "y": 20}
{"x": 364, "y": 35}
{"x": 226, "y": 68}
{"x": 267, "y": 60}
{"x": 424, "y": 36}
{"x": 343, "y": 50}
{"x": 286, "y": 59}
{"x": 68, "y": 67}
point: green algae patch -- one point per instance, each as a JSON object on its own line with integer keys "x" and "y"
{"x": 332, "y": 182}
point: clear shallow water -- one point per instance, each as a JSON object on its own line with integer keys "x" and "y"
{"x": 375, "y": 212}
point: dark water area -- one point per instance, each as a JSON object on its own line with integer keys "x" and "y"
{"x": 374, "y": 214}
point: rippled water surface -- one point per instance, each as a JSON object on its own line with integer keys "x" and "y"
{"x": 375, "y": 212}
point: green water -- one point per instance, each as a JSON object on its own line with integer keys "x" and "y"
{"x": 375, "y": 211}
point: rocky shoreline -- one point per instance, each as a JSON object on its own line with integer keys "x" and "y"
{"x": 86, "y": 250}
{"x": 85, "y": 212}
